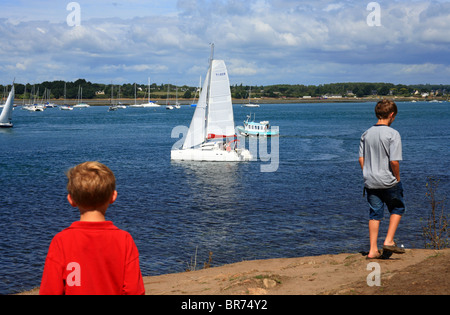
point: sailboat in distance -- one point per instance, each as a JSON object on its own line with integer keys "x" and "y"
{"x": 149, "y": 103}
{"x": 6, "y": 115}
{"x": 212, "y": 136}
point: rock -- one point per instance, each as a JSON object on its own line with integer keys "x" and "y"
{"x": 269, "y": 283}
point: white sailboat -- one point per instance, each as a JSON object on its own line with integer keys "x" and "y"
{"x": 212, "y": 136}
{"x": 65, "y": 106}
{"x": 34, "y": 106}
{"x": 250, "y": 104}
{"x": 80, "y": 99}
{"x": 6, "y": 115}
{"x": 150, "y": 103}
{"x": 168, "y": 106}
{"x": 177, "y": 104}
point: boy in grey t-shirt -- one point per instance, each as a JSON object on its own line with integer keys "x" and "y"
{"x": 380, "y": 151}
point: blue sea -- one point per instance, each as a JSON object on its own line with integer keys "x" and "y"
{"x": 309, "y": 203}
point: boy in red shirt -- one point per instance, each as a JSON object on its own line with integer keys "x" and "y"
{"x": 92, "y": 256}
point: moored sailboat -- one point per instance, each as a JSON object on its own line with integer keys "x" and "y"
{"x": 80, "y": 103}
{"x": 250, "y": 104}
{"x": 149, "y": 104}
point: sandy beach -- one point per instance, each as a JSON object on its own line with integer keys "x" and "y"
{"x": 417, "y": 272}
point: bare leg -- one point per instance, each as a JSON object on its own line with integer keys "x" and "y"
{"x": 374, "y": 226}
{"x": 393, "y": 225}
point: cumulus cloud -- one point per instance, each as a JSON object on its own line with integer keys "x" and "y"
{"x": 263, "y": 42}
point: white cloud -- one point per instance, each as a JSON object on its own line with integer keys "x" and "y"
{"x": 263, "y": 41}
{"x": 333, "y": 7}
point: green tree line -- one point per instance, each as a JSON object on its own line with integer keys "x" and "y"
{"x": 103, "y": 91}
{"x": 340, "y": 89}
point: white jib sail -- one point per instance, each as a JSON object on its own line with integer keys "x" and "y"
{"x": 6, "y": 116}
{"x": 197, "y": 131}
{"x": 220, "y": 120}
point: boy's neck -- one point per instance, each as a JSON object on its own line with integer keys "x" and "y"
{"x": 385, "y": 122}
{"x": 92, "y": 216}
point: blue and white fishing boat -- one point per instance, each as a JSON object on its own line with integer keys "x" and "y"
{"x": 258, "y": 129}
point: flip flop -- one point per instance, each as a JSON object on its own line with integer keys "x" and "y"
{"x": 379, "y": 256}
{"x": 393, "y": 249}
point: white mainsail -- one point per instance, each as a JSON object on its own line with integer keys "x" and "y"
{"x": 218, "y": 111}
{"x": 220, "y": 107}
{"x": 6, "y": 116}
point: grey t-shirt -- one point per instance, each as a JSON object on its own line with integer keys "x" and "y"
{"x": 379, "y": 146}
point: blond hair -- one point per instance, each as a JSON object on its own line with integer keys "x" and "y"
{"x": 91, "y": 184}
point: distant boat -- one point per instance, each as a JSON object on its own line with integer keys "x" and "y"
{"x": 6, "y": 115}
{"x": 168, "y": 106}
{"x": 135, "y": 99}
{"x": 112, "y": 107}
{"x": 261, "y": 129}
{"x": 149, "y": 104}
{"x": 177, "y": 104}
{"x": 211, "y": 136}
{"x": 119, "y": 104}
{"x": 80, "y": 99}
{"x": 34, "y": 108}
{"x": 249, "y": 100}
{"x": 250, "y": 105}
{"x": 81, "y": 105}
{"x": 65, "y": 106}
{"x": 46, "y": 97}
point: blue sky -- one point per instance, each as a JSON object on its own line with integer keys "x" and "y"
{"x": 262, "y": 41}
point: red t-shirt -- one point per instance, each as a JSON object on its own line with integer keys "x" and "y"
{"x": 92, "y": 258}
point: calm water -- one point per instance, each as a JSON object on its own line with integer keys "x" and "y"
{"x": 311, "y": 205}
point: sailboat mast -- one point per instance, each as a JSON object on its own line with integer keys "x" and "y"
{"x": 149, "y": 90}
{"x": 210, "y": 72}
{"x": 208, "y": 95}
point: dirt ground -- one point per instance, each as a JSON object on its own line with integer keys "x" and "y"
{"x": 417, "y": 272}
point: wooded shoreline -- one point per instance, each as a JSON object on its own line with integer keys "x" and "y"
{"x": 162, "y": 102}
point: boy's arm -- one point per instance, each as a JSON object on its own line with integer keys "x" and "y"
{"x": 361, "y": 162}
{"x": 52, "y": 280}
{"x": 395, "y": 167}
{"x": 133, "y": 282}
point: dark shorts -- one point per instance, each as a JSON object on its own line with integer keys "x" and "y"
{"x": 392, "y": 197}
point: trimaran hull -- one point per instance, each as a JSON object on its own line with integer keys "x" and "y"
{"x": 215, "y": 155}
